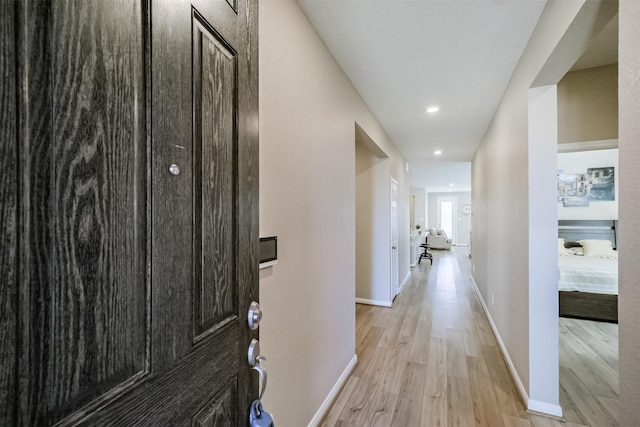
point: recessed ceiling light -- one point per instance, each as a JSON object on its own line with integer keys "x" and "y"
{"x": 450, "y": 185}
{"x": 433, "y": 109}
{"x": 437, "y": 152}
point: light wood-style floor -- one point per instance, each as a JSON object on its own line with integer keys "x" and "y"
{"x": 589, "y": 372}
{"x": 432, "y": 360}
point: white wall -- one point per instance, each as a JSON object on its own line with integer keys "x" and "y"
{"x": 308, "y": 111}
{"x": 629, "y": 245}
{"x": 463, "y": 221}
{"x": 543, "y": 235}
{"x": 501, "y": 188}
{"x": 579, "y": 163}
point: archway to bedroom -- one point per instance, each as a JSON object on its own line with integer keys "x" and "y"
{"x": 579, "y": 160}
{"x": 587, "y": 232}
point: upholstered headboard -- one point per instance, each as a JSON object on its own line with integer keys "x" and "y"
{"x": 574, "y": 230}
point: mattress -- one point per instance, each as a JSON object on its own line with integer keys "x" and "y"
{"x": 585, "y": 274}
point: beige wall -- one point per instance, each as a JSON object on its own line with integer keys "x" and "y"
{"x": 501, "y": 189}
{"x": 629, "y": 143}
{"x": 490, "y": 199}
{"x": 308, "y": 111}
{"x": 420, "y": 207}
{"x": 588, "y": 105}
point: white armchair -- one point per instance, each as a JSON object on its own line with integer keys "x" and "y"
{"x": 438, "y": 239}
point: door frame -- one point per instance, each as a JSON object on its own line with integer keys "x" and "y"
{"x": 394, "y": 270}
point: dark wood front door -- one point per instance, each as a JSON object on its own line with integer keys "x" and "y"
{"x": 128, "y": 216}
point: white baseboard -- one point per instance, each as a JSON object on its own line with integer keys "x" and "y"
{"x": 404, "y": 282}
{"x": 326, "y": 405}
{"x": 503, "y": 349}
{"x": 544, "y": 408}
{"x": 373, "y": 302}
{"x": 532, "y": 405}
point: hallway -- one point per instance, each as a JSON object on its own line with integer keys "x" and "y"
{"x": 431, "y": 360}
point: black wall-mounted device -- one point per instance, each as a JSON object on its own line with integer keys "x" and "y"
{"x": 268, "y": 249}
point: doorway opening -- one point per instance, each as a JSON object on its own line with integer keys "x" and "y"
{"x": 447, "y": 208}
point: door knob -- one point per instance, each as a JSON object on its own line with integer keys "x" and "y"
{"x": 254, "y": 316}
{"x": 253, "y": 355}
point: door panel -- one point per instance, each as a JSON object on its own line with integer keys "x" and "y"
{"x": 215, "y": 103}
{"x": 179, "y": 397}
{"x": 394, "y": 238}
{"x": 202, "y": 95}
{"x": 129, "y": 190}
{"x": 83, "y": 263}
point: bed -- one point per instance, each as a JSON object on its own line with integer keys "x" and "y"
{"x": 588, "y": 286}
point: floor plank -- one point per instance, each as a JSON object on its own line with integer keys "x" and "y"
{"x": 460, "y": 405}
{"x": 332, "y": 417}
{"x": 589, "y": 371}
{"x": 432, "y": 360}
{"x": 409, "y": 406}
{"x": 485, "y": 404}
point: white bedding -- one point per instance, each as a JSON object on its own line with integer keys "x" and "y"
{"x": 584, "y": 274}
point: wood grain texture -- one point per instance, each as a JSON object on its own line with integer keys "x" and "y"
{"x": 172, "y": 202}
{"x": 8, "y": 212}
{"x": 215, "y": 179}
{"x": 408, "y": 407}
{"x": 426, "y": 378}
{"x": 248, "y": 183}
{"x": 586, "y": 405}
{"x": 84, "y": 290}
{"x": 34, "y": 127}
{"x": 456, "y": 360}
{"x": 433, "y": 382}
{"x": 175, "y": 198}
{"x": 340, "y": 401}
{"x": 506, "y": 394}
{"x": 589, "y": 371}
{"x": 585, "y": 305}
{"x": 466, "y": 382}
{"x": 219, "y": 411}
{"x": 101, "y": 235}
{"x": 359, "y": 400}
{"x": 485, "y": 405}
{"x": 176, "y": 396}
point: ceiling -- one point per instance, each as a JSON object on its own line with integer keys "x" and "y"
{"x": 406, "y": 55}
{"x": 603, "y": 49}
{"x": 403, "y": 56}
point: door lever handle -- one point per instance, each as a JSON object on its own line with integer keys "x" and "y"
{"x": 263, "y": 378}
{"x": 255, "y": 358}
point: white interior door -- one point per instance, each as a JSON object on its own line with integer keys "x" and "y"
{"x": 447, "y": 214}
{"x": 394, "y": 238}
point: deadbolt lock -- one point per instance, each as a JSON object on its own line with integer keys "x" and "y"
{"x": 254, "y": 316}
